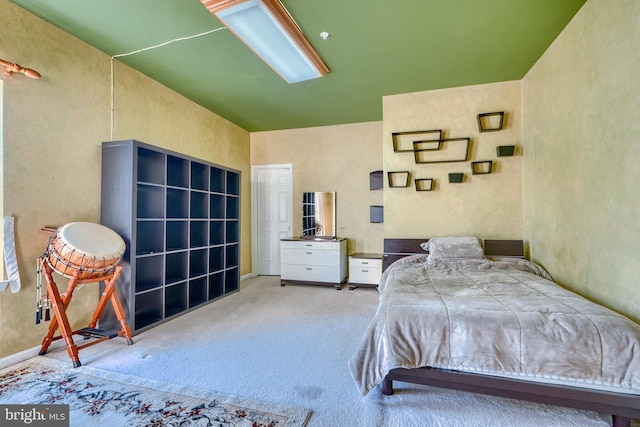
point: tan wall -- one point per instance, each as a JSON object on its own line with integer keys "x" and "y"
{"x": 53, "y": 129}
{"x": 487, "y": 206}
{"x": 331, "y": 158}
{"x": 581, "y": 104}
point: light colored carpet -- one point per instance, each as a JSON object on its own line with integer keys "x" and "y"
{"x": 290, "y": 345}
{"x": 97, "y": 397}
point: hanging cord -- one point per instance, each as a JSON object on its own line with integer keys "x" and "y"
{"x": 38, "y": 290}
{"x": 143, "y": 50}
{"x": 42, "y": 303}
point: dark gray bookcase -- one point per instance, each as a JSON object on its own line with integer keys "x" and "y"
{"x": 180, "y": 219}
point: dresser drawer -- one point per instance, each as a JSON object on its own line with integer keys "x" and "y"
{"x": 309, "y": 257}
{"x": 310, "y": 273}
{"x": 310, "y": 244}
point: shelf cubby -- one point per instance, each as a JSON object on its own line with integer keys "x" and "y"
{"x": 231, "y": 255}
{"x": 176, "y": 267}
{"x": 216, "y": 285}
{"x": 233, "y": 183}
{"x": 216, "y": 233}
{"x": 216, "y": 259}
{"x": 150, "y": 201}
{"x": 150, "y": 237}
{"x": 217, "y": 181}
{"x": 177, "y": 235}
{"x": 233, "y": 207}
{"x": 233, "y": 231}
{"x": 231, "y": 280}
{"x": 198, "y": 206}
{"x": 198, "y": 262}
{"x": 149, "y": 309}
{"x": 197, "y": 291}
{"x": 198, "y": 234}
{"x": 177, "y": 203}
{"x": 216, "y": 206}
{"x": 199, "y": 176}
{"x": 150, "y": 166}
{"x": 149, "y": 272}
{"x": 175, "y": 299}
{"x": 177, "y": 172}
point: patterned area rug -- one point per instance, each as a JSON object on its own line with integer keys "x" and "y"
{"x": 105, "y": 398}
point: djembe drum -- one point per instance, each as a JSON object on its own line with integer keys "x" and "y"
{"x": 86, "y": 249}
{"x": 84, "y": 252}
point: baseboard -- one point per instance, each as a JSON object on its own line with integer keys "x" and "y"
{"x": 248, "y": 276}
{"x": 12, "y": 359}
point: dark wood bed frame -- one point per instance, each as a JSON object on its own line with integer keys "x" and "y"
{"x": 622, "y": 406}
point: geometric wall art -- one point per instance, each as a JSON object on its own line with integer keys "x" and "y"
{"x": 403, "y": 141}
{"x": 424, "y": 184}
{"x": 481, "y": 167}
{"x": 442, "y": 151}
{"x": 398, "y": 178}
{"x": 490, "y": 122}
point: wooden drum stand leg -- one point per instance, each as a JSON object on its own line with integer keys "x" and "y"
{"x": 60, "y": 320}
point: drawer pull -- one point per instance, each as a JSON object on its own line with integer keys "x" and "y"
{"x": 365, "y": 262}
{"x": 309, "y": 268}
{"x": 309, "y": 253}
{"x": 365, "y": 271}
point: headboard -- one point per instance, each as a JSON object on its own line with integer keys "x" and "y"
{"x": 394, "y": 249}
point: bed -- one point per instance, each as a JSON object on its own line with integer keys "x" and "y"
{"x": 437, "y": 320}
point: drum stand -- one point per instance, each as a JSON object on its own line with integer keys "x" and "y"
{"x": 60, "y": 320}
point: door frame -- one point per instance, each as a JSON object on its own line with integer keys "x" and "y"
{"x": 255, "y": 194}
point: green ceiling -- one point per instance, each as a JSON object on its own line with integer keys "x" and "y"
{"x": 376, "y": 48}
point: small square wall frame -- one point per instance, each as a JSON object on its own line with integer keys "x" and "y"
{"x": 403, "y": 141}
{"x": 449, "y": 150}
{"x": 505, "y": 150}
{"x": 424, "y": 184}
{"x": 490, "y": 122}
{"x": 482, "y": 167}
{"x": 456, "y": 177}
{"x": 398, "y": 179}
{"x": 376, "y": 214}
{"x": 375, "y": 180}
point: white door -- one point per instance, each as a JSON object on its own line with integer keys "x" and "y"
{"x": 272, "y": 190}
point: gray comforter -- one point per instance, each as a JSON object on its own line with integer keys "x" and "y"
{"x": 502, "y": 317}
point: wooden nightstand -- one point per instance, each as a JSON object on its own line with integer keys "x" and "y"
{"x": 364, "y": 270}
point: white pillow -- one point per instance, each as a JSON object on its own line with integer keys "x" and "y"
{"x": 454, "y": 247}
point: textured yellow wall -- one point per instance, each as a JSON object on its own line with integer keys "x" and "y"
{"x": 582, "y": 103}
{"x": 331, "y": 158}
{"x": 487, "y": 206}
{"x": 53, "y": 129}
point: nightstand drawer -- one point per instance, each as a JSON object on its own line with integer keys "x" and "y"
{"x": 364, "y": 275}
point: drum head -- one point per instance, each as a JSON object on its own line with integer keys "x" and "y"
{"x": 93, "y": 240}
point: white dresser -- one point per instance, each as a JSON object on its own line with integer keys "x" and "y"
{"x": 314, "y": 262}
{"x": 364, "y": 270}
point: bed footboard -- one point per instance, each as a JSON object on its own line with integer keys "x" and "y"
{"x": 622, "y": 406}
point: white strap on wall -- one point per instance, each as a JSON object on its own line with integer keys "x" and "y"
{"x": 10, "y": 258}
